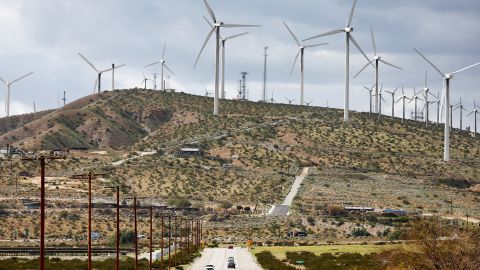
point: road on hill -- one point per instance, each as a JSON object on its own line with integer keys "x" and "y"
{"x": 282, "y": 209}
{"x": 218, "y": 257}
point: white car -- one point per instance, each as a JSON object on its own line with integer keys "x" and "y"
{"x": 209, "y": 267}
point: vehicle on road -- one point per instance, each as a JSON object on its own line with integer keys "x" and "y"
{"x": 209, "y": 267}
{"x": 231, "y": 264}
{"x": 230, "y": 247}
{"x": 230, "y": 259}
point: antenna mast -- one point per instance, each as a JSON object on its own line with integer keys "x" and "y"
{"x": 243, "y": 86}
{"x": 64, "y": 98}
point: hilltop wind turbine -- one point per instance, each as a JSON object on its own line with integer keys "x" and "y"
{"x": 426, "y": 109}
{"x": 446, "y": 79}
{"x": 415, "y": 98}
{"x": 462, "y": 109}
{"x": 290, "y": 101}
{"x": 301, "y": 53}
{"x": 377, "y": 59}
{"x": 144, "y": 81}
{"x": 393, "y": 100}
{"x": 164, "y": 66}
{"x": 216, "y": 28}
{"x": 207, "y": 94}
{"x": 403, "y": 97}
{"x": 370, "y": 90}
{"x": 349, "y": 38}
{"x": 380, "y": 98}
{"x": 8, "y": 85}
{"x": 99, "y": 72}
{"x": 475, "y": 111}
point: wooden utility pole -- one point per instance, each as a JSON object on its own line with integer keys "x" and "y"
{"x": 169, "y": 239}
{"x": 151, "y": 235}
{"x": 88, "y": 176}
{"x": 175, "y": 241}
{"x": 136, "y": 232}
{"x": 161, "y": 242}
{"x": 117, "y": 238}
{"x": 43, "y": 163}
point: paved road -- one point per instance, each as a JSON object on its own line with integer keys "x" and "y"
{"x": 282, "y": 209}
{"x": 218, "y": 257}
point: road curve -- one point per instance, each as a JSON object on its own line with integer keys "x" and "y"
{"x": 218, "y": 257}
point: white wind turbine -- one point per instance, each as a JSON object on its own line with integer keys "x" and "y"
{"x": 222, "y": 62}
{"x": 460, "y": 107}
{"x": 308, "y": 103}
{"x": 290, "y": 101}
{"x": 8, "y": 85}
{"x": 216, "y": 28}
{"x": 164, "y": 66}
{"x": 446, "y": 81}
{"x": 301, "y": 53}
{"x": 403, "y": 98}
{"x": 377, "y": 60}
{"x": 381, "y": 99}
{"x": 349, "y": 38}
{"x": 393, "y": 100}
{"x": 475, "y": 112}
{"x": 370, "y": 90}
{"x": 100, "y": 72}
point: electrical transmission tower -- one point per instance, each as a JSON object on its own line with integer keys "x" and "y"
{"x": 242, "y": 94}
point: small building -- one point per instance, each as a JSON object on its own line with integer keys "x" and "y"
{"x": 359, "y": 209}
{"x": 188, "y": 152}
{"x": 398, "y": 212}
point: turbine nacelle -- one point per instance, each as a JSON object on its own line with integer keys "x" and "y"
{"x": 448, "y": 76}
{"x": 348, "y": 29}
{"x": 377, "y": 57}
{"x": 218, "y": 24}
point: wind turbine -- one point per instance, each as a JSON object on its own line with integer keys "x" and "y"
{"x": 207, "y": 94}
{"x": 426, "y": 109}
{"x": 380, "y": 98}
{"x": 290, "y": 101}
{"x": 475, "y": 112}
{"x": 216, "y": 28}
{"x": 164, "y": 66}
{"x": 370, "y": 90}
{"x": 308, "y": 103}
{"x": 403, "y": 97}
{"x": 349, "y": 38}
{"x": 393, "y": 100}
{"x": 113, "y": 74}
{"x": 462, "y": 109}
{"x": 415, "y": 98}
{"x": 446, "y": 79}
{"x": 144, "y": 81}
{"x": 301, "y": 53}
{"x": 99, "y": 72}
{"x": 8, "y": 84}
{"x": 377, "y": 59}
{"x": 222, "y": 42}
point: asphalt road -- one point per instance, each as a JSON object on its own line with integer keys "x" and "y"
{"x": 218, "y": 258}
{"x": 282, "y": 209}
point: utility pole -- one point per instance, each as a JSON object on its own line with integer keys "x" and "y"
{"x": 113, "y": 77}
{"x": 64, "y": 99}
{"x": 136, "y": 232}
{"x": 151, "y": 235}
{"x": 161, "y": 241}
{"x": 180, "y": 245}
{"x": 169, "y": 239}
{"x": 155, "y": 81}
{"x": 43, "y": 163}
{"x": 117, "y": 238}
{"x": 88, "y": 176}
{"x": 175, "y": 240}
{"x": 264, "y": 94}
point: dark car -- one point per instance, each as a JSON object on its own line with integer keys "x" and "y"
{"x": 231, "y": 264}
{"x": 230, "y": 247}
{"x": 300, "y": 234}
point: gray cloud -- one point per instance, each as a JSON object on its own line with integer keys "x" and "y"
{"x": 45, "y": 36}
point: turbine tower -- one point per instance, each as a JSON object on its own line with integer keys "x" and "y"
{"x": 349, "y": 38}
{"x": 370, "y": 90}
{"x": 99, "y": 73}
{"x": 301, "y": 53}
{"x": 8, "y": 85}
{"x": 403, "y": 98}
{"x": 264, "y": 93}
{"x": 164, "y": 66}
{"x": 475, "y": 112}
{"x": 446, "y": 81}
{"x": 415, "y": 98}
{"x": 460, "y": 107}
{"x": 393, "y": 100}
{"x": 216, "y": 28}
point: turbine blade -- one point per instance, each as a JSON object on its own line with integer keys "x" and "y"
{"x": 392, "y": 65}
{"x": 165, "y": 65}
{"x": 360, "y": 49}
{"x": 350, "y": 18}
{"x": 164, "y": 47}
{"x": 470, "y": 113}
{"x": 293, "y": 35}
{"x": 315, "y": 45}
{"x": 119, "y": 66}
{"x": 463, "y": 69}
{"x": 426, "y": 59}
{"x": 28, "y": 74}
{"x": 88, "y": 62}
{"x": 211, "y": 25}
{"x": 326, "y": 34}
{"x": 152, "y": 64}
{"x": 3, "y": 81}
{"x": 363, "y": 68}
{"x": 373, "y": 41}
{"x": 232, "y": 25}
{"x": 210, "y": 11}
{"x": 235, "y": 36}
{"x": 204, "y": 45}
{"x": 396, "y": 89}
{"x": 294, "y": 62}
{"x": 106, "y": 70}
{"x": 426, "y": 78}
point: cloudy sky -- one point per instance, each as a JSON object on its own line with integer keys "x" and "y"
{"x": 45, "y": 37}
